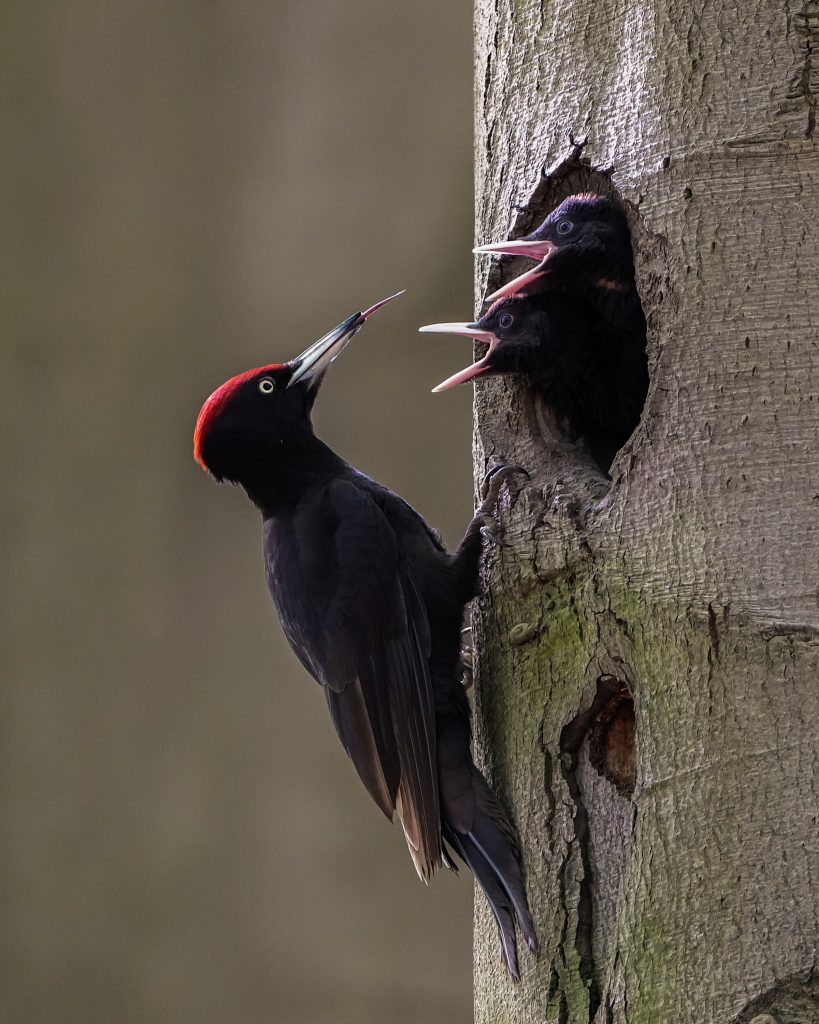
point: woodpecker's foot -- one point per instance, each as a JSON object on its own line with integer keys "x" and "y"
{"x": 489, "y": 532}
{"x": 467, "y": 677}
{"x": 494, "y": 480}
{"x": 467, "y": 672}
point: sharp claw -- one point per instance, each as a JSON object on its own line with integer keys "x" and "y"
{"x": 467, "y": 677}
{"x": 490, "y": 535}
{"x": 490, "y": 492}
{"x": 493, "y": 481}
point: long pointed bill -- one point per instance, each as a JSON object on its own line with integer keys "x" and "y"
{"x": 309, "y": 367}
{"x": 519, "y": 247}
{"x": 465, "y": 331}
{"x": 369, "y": 312}
{"x": 535, "y": 250}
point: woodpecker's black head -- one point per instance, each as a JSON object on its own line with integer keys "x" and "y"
{"x": 582, "y": 244}
{"x": 250, "y": 421}
{"x": 516, "y": 331}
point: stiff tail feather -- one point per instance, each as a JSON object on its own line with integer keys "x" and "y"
{"x": 491, "y": 852}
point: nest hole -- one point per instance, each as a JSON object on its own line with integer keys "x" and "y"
{"x": 575, "y": 174}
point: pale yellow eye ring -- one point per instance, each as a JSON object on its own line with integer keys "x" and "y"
{"x": 266, "y": 386}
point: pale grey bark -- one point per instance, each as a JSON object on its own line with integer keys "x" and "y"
{"x": 691, "y": 578}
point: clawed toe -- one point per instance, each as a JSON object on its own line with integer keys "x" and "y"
{"x": 467, "y": 668}
{"x": 492, "y": 484}
{"x": 495, "y": 477}
{"x": 490, "y": 534}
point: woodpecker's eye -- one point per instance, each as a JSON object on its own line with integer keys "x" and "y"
{"x": 266, "y": 385}
{"x": 506, "y": 320}
{"x": 564, "y": 227}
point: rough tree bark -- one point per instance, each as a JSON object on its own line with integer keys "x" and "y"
{"x": 675, "y": 876}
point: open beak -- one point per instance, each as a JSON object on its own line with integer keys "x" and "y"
{"x": 535, "y": 250}
{"x": 467, "y": 331}
{"x": 309, "y": 367}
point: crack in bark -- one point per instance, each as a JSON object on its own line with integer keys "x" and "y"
{"x": 487, "y": 79}
{"x": 548, "y": 777}
{"x": 585, "y": 903}
{"x": 571, "y": 741}
{"x": 713, "y": 631}
{"x": 583, "y": 932}
{"x": 805, "y": 24}
{"x": 563, "y": 1011}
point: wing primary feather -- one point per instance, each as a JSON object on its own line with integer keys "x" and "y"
{"x": 348, "y": 711}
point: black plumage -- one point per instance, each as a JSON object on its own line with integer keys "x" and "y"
{"x": 373, "y": 606}
{"x": 574, "y": 325}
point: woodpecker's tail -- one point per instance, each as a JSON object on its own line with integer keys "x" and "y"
{"x": 490, "y": 849}
{"x": 475, "y": 825}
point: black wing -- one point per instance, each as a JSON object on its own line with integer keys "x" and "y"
{"x": 354, "y": 616}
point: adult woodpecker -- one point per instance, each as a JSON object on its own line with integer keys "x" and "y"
{"x": 373, "y": 607}
{"x": 574, "y": 324}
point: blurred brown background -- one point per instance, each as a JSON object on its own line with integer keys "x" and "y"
{"x": 191, "y": 188}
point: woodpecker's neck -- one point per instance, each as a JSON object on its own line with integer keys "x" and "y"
{"x": 290, "y": 468}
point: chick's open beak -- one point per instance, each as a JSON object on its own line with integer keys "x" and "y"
{"x": 467, "y": 331}
{"x": 539, "y": 250}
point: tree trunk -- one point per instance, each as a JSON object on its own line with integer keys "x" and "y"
{"x": 648, "y": 647}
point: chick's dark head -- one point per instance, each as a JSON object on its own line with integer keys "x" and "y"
{"x": 515, "y": 329}
{"x": 583, "y": 243}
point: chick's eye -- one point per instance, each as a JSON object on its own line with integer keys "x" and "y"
{"x": 266, "y": 385}
{"x": 564, "y": 227}
{"x": 506, "y": 320}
